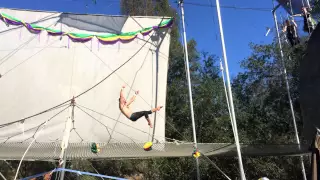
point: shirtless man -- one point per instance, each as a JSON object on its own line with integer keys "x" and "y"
{"x": 124, "y": 107}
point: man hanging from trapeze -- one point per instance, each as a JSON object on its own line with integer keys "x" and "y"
{"x": 124, "y": 107}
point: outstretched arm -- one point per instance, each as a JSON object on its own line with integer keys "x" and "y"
{"x": 132, "y": 99}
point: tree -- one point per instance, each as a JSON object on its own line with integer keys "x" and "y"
{"x": 263, "y": 107}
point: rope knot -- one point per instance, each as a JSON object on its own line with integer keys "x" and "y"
{"x": 73, "y": 101}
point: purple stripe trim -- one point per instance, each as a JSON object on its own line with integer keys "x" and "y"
{"x": 108, "y": 42}
{"x": 146, "y": 33}
{"x": 55, "y": 33}
{"x": 83, "y": 40}
{"x": 32, "y": 30}
{"x": 12, "y": 22}
{"x": 168, "y": 25}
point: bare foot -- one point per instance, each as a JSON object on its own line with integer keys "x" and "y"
{"x": 156, "y": 109}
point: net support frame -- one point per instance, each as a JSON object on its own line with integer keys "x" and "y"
{"x": 189, "y": 84}
{"x": 284, "y": 70}
{"x": 236, "y": 136}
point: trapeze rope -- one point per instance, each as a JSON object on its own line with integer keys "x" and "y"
{"x": 21, "y": 120}
{"x": 2, "y": 176}
{"x": 157, "y": 84}
{"x": 226, "y": 93}
{"x": 125, "y": 123}
{"x": 290, "y": 2}
{"x": 95, "y": 120}
{"x": 216, "y": 166}
{"x": 26, "y": 130}
{"x": 95, "y": 169}
{"x": 34, "y": 139}
{"x": 152, "y": 76}
{"x": 308, "y": 23}
{"x": 72, "y": 72}
{"x": 74, "y": 129}
{"x": 107, "y": 126}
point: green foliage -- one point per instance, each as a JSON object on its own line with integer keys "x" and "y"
{"x": 262, "y": 90}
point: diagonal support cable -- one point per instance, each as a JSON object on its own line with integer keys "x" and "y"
{"x": 216, "y": 166}
{"x": 94, "y": 119}
{"x": 101, "y": 114}
{"x": 34, "y": 139}
{"x": 39, "y": 125}
{"x": 105, "y": 125}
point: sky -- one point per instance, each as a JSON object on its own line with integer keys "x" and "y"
{"x": 240, "y": 26}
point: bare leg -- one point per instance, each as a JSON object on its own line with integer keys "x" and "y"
{"x": 156, "y": 109}
{"x": 152, "y": 110}
{"x": 149, "y": 122}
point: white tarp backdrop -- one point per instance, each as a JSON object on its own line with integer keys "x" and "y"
{"x": 39, "y": 72}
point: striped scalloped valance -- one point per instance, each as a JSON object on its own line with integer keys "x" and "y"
{"x": 80, "y": 37}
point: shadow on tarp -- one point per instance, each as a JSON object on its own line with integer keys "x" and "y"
{"x": 94, "y": 23}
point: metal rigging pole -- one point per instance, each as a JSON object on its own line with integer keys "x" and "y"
{"x": 236, "y": 137}
{"x": 287, "y": 85}
{"x": 189, "y": 83}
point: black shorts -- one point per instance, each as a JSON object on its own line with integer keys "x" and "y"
{"x": 137, "y": 115}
